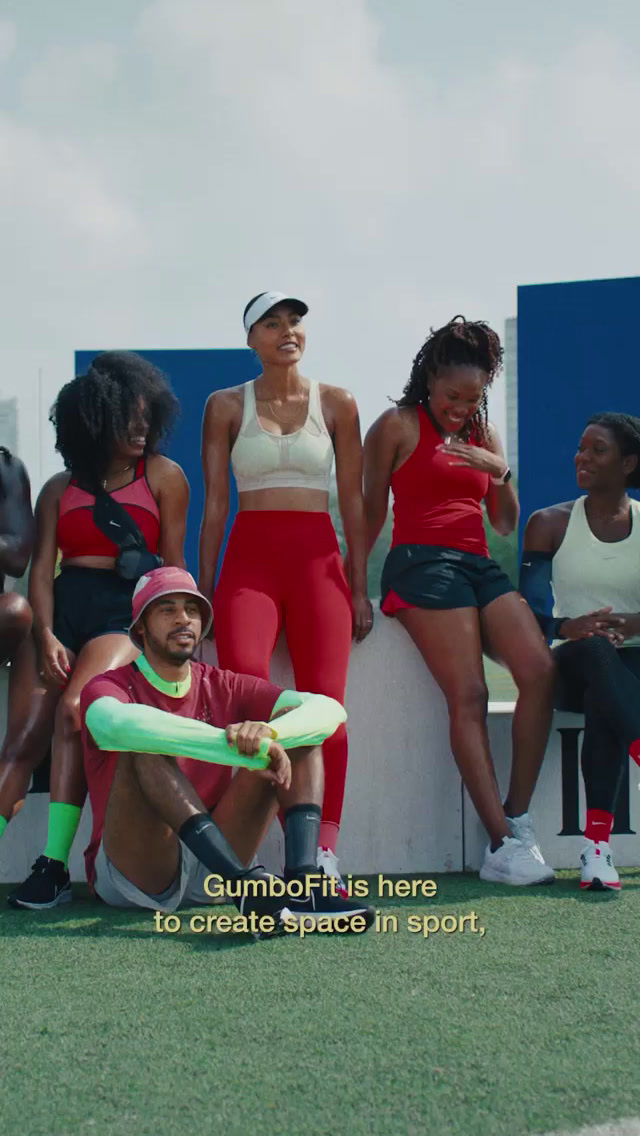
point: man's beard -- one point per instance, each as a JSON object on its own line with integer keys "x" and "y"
{"x": 179, "y": 654}
{"x": 170, "y": 650}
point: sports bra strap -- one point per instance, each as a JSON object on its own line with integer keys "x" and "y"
{"x": 141, "y": 468}
{"x": 249, "y": 408}
{"x": 315, "y": 403}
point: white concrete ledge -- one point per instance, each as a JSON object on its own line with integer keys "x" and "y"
{"x": 405, "y": 810}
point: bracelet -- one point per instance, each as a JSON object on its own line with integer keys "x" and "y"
{"x": 555, "y": 625}
{"x": 503, "y": 479}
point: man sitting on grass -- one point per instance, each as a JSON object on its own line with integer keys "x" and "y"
{"x": 166, "y": 813}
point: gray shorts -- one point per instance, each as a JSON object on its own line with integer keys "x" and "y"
{"x": 187, "y": 889}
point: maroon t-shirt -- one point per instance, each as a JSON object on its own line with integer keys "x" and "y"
{"x": 215, "y": 696}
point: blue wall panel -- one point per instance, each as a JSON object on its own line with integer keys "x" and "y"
{"x": 577, "y": 355}
{"x": 193, "y": 375}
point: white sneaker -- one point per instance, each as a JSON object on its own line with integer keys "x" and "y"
{"x": 327, "y": 861}
{"x": 522, "y": 829}
{"x": 597, "y": 870}
{"x": 514, "y": 863}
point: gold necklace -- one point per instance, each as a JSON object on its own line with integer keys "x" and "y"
{"x": 286, "y": 420}
{"x": 118, "y": 474}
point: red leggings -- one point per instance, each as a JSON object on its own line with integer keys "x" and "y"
{"x": 284, "y": 568}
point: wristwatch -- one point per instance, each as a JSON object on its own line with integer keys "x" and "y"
{"x": 506, "y": 476}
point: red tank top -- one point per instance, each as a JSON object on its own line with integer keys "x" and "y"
{"x": 438, "y": 503}
{"x": 79, "y": 536}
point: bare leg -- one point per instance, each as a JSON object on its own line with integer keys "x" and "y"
{"x": 68, "y": 783}
{"x": 307, "y": 779}
{"x": 31, "y": 713}
{"x": 245, "y": 813}
{"x": 15, "y": 623}
{"x": 512, "y": 636}
{"x": 449, "y": 642}
{"x": 150, "y": 800}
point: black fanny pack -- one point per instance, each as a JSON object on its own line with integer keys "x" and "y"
{"x": 134, "y": 558}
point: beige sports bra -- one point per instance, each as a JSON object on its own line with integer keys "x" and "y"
{"x": 301, "y": 460}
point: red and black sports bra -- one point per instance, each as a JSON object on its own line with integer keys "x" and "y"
{"x": 77, "y": 533}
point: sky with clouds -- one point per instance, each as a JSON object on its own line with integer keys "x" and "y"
{"x": 391, "y": 161}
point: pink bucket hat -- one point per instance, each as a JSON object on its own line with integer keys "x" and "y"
{"x": 165, "y": 582}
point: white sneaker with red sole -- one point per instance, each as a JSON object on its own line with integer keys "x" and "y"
{"x": 597, "y": 869}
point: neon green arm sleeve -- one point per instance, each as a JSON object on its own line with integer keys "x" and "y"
{"x": 314, "y": 718}
{"x": 127, "y": 726}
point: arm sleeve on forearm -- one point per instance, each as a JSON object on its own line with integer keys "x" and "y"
{"x": 315, "y": 718}
{"x": 535, "y": 586}
{"x": 126, "y": 726}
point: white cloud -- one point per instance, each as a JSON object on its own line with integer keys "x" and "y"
{"x": 67, "y": 80}
{"x": 8, "y": 39}
{"x": 151, "y": 182}
{"x": 55, "y": 188}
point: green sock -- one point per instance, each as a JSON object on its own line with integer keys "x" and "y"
{"x": 3, "y": 824}
{"x": 63, "y": 824}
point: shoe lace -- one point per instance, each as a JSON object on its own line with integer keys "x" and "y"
{"x": 522, "y": 852}
{"x": 41, "y": 865}
{"x": 597, "y": 850}
{"x": 328, "y": 863}
{"x": 603, "y": 850}
{"x": 523, "y": 829}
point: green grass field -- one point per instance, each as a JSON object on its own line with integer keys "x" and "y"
{"x": 110, "y": 1028}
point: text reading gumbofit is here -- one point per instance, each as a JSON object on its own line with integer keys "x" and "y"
{"x": 424, "y": 925}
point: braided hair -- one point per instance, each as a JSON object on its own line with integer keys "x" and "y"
{"x": 93, "y": 412}
{"x": 626, "y": 431}
{"x": 460, "y": 343}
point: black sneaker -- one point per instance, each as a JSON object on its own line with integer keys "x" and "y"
{"x": 320, "y": 902}
{"x": 259, "y": 895}
{"x": 48, "y": 885}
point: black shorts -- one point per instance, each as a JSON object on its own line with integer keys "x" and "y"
{"x": 431, "y": 576}
{"x": 88, "y": 602}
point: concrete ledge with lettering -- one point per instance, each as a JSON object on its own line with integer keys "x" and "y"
{"x": 405, "y": 810}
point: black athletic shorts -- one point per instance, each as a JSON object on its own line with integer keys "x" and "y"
{"x": 88, "y": 602}
{"x": 431, "y": 576}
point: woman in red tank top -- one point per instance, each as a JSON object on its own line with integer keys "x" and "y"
{"x": 108, "y": 424}
{"x": 444, "y": 462}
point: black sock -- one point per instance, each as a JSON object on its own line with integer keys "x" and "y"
{"x": 497, "y": 844}
{"x": 301, "y": 832}
{"x": 204, "y": 838}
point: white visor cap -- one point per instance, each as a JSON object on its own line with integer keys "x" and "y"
{"x": 259, "y": 307}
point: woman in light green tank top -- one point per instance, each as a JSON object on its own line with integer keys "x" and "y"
{"x": 587, "y": 552}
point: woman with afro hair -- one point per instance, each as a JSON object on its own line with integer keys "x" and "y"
{"x": 109, "y": 424}
{"x": 588, "y": 551}
{"x": 443, "y": 460}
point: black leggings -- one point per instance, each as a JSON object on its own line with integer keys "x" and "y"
{"x": 602, "y": 681}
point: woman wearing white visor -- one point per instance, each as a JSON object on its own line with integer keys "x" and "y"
{"x": 282, "y": 566}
